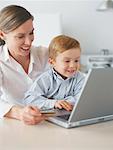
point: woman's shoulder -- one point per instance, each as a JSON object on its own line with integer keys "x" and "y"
{"x": 40, "y": 50}
{"x": 40, "y": 54}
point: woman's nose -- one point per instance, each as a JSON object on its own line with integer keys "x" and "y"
{"x": 28, "y": 41}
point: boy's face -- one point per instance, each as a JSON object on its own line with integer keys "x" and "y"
{"x": 68, "y": 62}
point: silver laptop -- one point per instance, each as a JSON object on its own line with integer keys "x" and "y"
{"x": 95, "y": 103}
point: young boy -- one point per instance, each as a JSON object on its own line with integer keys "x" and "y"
{"x": 60, "y": 86}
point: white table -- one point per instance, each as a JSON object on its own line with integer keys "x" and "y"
{"x": 14, "y": 135}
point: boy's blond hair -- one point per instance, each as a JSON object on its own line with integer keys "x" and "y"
{"x": 60, "y": 44}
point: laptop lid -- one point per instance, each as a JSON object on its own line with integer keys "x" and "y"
{"x": 96, "y": 99}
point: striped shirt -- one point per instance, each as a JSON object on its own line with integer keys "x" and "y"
{"x": 50, "y": 87}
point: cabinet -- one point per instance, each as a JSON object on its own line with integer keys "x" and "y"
{"x": 96, "y": 61}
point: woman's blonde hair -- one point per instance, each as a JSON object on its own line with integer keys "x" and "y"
{"x": 11, "y": 17}
{"x": 60, "y": 44}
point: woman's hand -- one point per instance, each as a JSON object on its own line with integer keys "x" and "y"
{"x": 29, "y": 114}
{"x": 62, "y": 104}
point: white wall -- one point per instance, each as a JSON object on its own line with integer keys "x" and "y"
{"x": 79, "y": 19}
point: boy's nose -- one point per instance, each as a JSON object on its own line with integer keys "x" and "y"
{"x": 72, "y": 64}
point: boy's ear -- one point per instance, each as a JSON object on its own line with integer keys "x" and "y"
{"x": 51, "y": 61}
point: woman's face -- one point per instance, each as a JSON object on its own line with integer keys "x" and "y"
{"x": 19, "y": 41}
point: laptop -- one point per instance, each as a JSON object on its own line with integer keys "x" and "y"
{"x": 95, "y": 103}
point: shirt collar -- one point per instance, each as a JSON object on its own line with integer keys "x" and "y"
{"x": 57, "y": 75}
{"x": 32, "y": 58}
{"x": 6, "y": 56}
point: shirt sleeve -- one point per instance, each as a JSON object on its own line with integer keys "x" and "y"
{"x": 4, "y": 106}
{"x": 36, "y": 94}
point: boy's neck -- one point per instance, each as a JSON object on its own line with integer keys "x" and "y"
{"x": 60, "y": 74}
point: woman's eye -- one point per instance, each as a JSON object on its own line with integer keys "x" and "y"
{"x": 20, "y": 37}
{"x": 32, "y": 33}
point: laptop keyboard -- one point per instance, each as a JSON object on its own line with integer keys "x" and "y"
{"x": 65, "y": 117}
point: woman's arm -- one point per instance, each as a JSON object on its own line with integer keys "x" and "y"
{"x": 29, "y": 114}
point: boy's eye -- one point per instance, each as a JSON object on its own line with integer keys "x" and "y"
{"x": 67, "y": 61}
{"x": 76, "y": 61}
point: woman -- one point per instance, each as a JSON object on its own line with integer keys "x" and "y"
{"x": 20, "y": 63}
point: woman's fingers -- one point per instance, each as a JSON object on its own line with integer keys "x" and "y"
{"x": 33, "y": 110}
{"x": 33, "y": 120}
{"x": 31, "y": 115}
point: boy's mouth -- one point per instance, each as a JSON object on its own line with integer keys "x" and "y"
{"x": 71, "y": 71}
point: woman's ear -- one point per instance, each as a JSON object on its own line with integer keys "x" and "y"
{"x": 2, "y": 35}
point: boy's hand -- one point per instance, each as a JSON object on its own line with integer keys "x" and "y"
{"x": 62, "y": 104}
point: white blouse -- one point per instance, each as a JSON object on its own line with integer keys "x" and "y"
{"x": 14, "y": 81}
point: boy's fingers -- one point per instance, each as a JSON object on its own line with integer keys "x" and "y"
{"x": 66, "y": 105}
{"x": 59, "y": 106}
